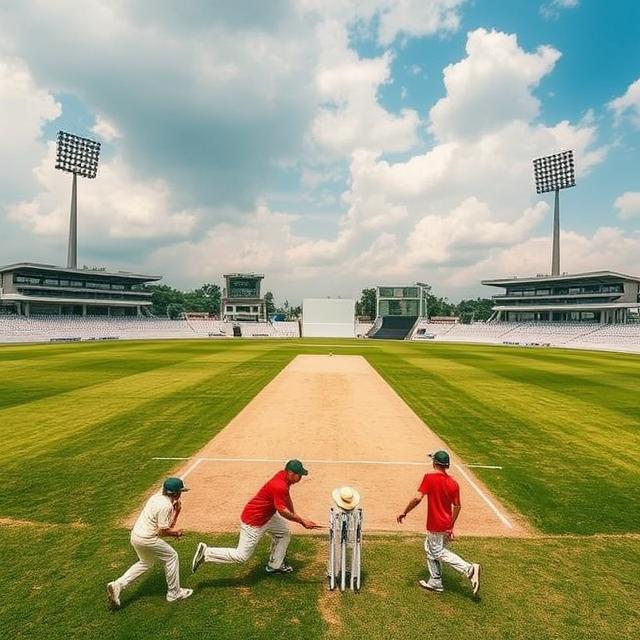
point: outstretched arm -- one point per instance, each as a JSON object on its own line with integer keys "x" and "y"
{"x": 415, "y": 501}
{"x": 294, "y": 517}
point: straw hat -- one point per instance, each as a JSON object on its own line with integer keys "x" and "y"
{"x": 346, "y": 498}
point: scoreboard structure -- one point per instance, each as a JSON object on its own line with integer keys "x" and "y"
{"x": 241, "y": 300}
{"x": 402, "y": 300}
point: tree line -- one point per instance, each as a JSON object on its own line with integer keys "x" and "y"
{"x": 171, "y": 302}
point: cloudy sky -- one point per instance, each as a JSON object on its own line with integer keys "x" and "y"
{"x": 330, "y": 144}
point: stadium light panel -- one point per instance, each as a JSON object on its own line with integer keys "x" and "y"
{"x": 77, "y": 155}
{"x": 555, "y": 172}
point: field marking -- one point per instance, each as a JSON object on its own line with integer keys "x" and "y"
{"x": 191, "y": 468}
{"x": 492, "y": 506}
{"x": 278, "y": 461}
{"x": 479, "y": 491}
{"x": 482, "y": 466}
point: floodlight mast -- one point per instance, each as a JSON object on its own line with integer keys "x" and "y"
{"x": 78, "y": 156}
{"x": 553, "y": 173}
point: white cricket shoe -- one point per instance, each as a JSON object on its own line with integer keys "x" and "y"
{"x": 474, "y": 577}
{"x": 113, "y": 593}
{"x": 430, "y": 586}
{"x": 183, "y": 594}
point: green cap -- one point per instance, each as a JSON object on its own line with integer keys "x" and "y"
{"x": 173, "y": 486}
{"x": 296, "y": 466}
{"x": 441, "y": 458}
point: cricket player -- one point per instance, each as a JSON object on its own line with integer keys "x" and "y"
{"x": 443, "y": 508}
{"x": 267, "y": 512}
{"x": 156, "y": 521}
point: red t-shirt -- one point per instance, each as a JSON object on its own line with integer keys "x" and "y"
{"x": 272, "y": 496}
{"x": 442, "y": 491}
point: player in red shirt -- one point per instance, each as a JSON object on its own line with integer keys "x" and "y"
{"x": 443, "y": 508}
{"x": 267, "y": 512}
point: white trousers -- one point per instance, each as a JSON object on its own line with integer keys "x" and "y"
{"x": 276, "y": 527}
{"x": 149, "y": 550}
{"x": 435, "y": 545}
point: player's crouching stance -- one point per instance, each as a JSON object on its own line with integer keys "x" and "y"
{"x": 267, "y": 512}
{"x": 443, "y": 508}
{"x": 157, "y": 520}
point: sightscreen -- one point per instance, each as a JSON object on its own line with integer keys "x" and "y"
{"x": 328, "y": 318}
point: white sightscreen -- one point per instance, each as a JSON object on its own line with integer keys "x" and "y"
{"x": 328, "y": 318}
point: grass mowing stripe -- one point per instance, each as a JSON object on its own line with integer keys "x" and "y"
{"x": 548, "y": 408}
{"x": 43, "y": 422}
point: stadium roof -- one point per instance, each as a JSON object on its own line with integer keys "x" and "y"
{"x": 84, "y": 272}
{"x": 565, "y": 277}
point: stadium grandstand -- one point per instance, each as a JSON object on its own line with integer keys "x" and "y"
{"x": 60, "y": 328}
{"x": 604, "y": 297}
{"x": 578, "y": 335}
{"x": 31, "y": 289}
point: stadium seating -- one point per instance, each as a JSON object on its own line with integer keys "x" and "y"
{"x": 67, "y": 328}
{"x": 616, "y": 337}
{"x": 394, "y": 328}
{"x": 576, "y": 335}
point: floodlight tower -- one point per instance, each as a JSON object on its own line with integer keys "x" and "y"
{"x": 78, "y": 156}
{"x": 553, "y": 173}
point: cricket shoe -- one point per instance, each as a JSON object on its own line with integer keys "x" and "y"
{"x": 284, "y": 568}
{"x": 183, "y": 594}
{"x": 474, "y": 577}
{"x": 198, "y": 557}
{"x": 429, "y": 586}
{"x": 113, "y": 594}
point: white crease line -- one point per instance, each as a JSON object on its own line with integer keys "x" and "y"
{"x": 502, "y": 518}
{"x": 191, "y": 468}
{"x": 280, "y": 461}
{"x": 493, "y": 507}
{"x": 482, "y": 466}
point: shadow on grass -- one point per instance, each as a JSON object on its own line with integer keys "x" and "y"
{"x": 257, "y": 575}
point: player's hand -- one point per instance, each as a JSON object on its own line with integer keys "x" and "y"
{"x": 401, "y": 517}
{"x": 450, "y": 535}
{"x": 310, "y": 524}
{"x": 178, "y": 533}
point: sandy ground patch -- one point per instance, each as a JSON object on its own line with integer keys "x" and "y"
{"x": 348, "y": 426}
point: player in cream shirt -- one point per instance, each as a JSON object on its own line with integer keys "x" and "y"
{"x": 157, "y": 520}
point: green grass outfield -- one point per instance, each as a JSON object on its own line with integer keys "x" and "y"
{"x": 81, "y": 423}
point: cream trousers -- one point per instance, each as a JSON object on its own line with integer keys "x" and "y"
{"x": 149, "y": 550}
{"x": 436, "y": 547}
{"x": 276, "y": 527}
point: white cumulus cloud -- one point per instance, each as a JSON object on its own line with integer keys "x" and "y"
{"x": 628, "y": 205}
{"x": 491, "y": 87}
{"x": 629, "y": 102}
{"x": 24, "y": 109}
{"x": 118, "y": 205}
